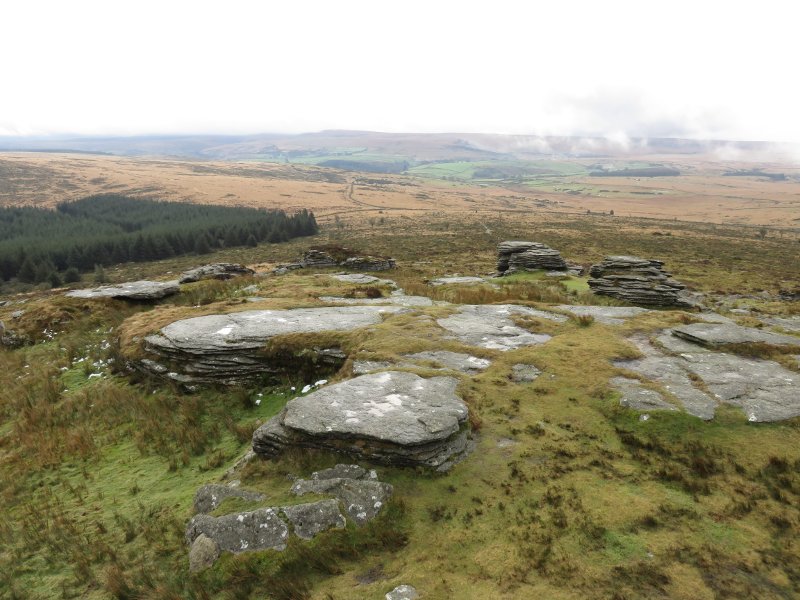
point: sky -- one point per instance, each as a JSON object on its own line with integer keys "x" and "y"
{"x": 700, "y": 69}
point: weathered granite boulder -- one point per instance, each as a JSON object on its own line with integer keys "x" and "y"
{"x": 209, "y": 497}
{"x": 391, "y": 417}
{"x": 228, "y": 348}
{"x": 491, "y": 326}
{"x": 700, "y": 378}
{"x": 260, "y": 529}
{"x": 720, "y": 334}
{"x": 638, "y": 281}
{"x": 361, "y": 498}
{"x": 527, "y": 256}
{"x": 403, "y": 592}
{"x": 215, "y": 271}
{"x": 346, "y": 258}
{"x": 310, "y": 519}
{"x": 356, "y": 492}
{"x": 134, "y": 290}
{"x": 203, "y": 554}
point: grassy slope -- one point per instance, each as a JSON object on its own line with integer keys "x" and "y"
{"x": 587, "y": 500}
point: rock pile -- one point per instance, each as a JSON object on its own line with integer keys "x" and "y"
{"x": 228, "y": 348}
{"x": 332, "y": 256}
{"x": 134, "y": 290}
{"x": 356, "y": 494}
{"x": 215, "y": 271}
{"x": 527, "y": 256}
{"x": 393, "y": 417}
{"x": 636, "y": 280}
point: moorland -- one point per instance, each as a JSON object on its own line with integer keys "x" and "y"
{"x": 567, "y": 493}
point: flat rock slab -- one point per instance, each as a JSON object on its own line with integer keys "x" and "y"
{"x": 763, "y": 389}
{"x": 638, "y": 397}
{"x": 227, "y": 348}
{"x": 720, "y": 334}
{"x": 392, "y": 300}
{"x": 260, "y": 529}
{"x": 491, "y": 326}
{"x": 362, "y": 367}
{"x": 134, "y": 290}
{"x": 787, "y": 323}
{"x": 456, "y": 361}
{"x": 391, "y": 417}
{"x": 458, "y": 281}
{"x": 250, "y": 329}
{"x": 210, "y": 496}
{"x": 609, "y": 315}
{"x": 362, "y": 279}
{"x": 395, "y": 407}
{"x": 215, "y": 271}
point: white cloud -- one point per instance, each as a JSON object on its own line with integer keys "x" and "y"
{"x": 709, "y": 69}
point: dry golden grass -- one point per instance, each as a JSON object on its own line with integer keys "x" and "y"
{"x": 701, "y": 193}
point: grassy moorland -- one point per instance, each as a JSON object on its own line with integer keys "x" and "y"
{"x": 566, "y": 496}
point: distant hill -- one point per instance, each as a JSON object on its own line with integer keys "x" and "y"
{"x": 351, "y": 145}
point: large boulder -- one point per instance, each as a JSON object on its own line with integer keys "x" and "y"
{"x": 134, "y": 290}
{"x": 391, "y": 417}
{"x": 228, "y": 348}
{"x": 638, "y": 281}
{"x": 515, "y": 256}
{"x": 215, "y": 271}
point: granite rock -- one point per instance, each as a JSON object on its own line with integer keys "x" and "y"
{"x": 391, "y": 417}
{"x": 720, "y": 334}
{"x": 210, "y": 496}
{"x": 134, "y": 290}
{"x": 491, "y": 326}
{"x": 215, "y": 271}
{"x": 227, "y": 348}
{"x": 638, "y": 281}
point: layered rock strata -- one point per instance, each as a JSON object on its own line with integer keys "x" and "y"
{"x": 229, "y": 348}
{"x": 527, "y": 256}
{"x": 393, "y": 417}
{"x": 636, "y": 280}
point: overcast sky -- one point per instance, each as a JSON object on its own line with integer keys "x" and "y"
{"x": 686, "y": 69}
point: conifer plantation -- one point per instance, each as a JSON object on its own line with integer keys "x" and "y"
{"x": 38, "y": 245}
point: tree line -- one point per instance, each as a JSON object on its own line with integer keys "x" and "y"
{"x": 39, "y": 245}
